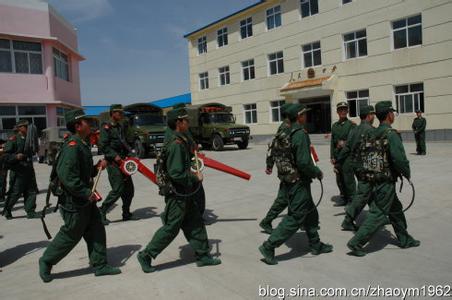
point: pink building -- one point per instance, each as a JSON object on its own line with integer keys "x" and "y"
{"x": 39, "y": 64}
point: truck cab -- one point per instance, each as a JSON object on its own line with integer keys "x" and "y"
{"x": 213, "y": 125}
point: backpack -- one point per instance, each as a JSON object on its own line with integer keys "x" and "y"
{"x": 373, "y": 158}
{"x": 161, "y": 173}
{"x": 280, "y": 150}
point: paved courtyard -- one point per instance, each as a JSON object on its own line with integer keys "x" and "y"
{"x": 234, "y": 208}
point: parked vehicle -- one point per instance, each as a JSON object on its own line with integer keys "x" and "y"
{"x": 50, "y": 143}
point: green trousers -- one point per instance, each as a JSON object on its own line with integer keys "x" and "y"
{"x": 420, "y": 143}
{"x": 3, "y": 176}
{"x": 121, "y": 187}
{"x": 345, "y": 180}
{"x": 22, "y": 184}
{"x": 301, "y": 212}
{"x": 385, "y": 205}
{"x": 180, "y": 213}
{"x": 359, "y": 200}
{"x": 279, "y": 205}
{"x": 83, "y": 223}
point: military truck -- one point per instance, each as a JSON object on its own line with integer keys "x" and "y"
{"x": 145, "y": 127}
{"x": 213, "y": 125}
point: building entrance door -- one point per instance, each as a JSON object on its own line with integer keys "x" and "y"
{"x": 319, "y": 118}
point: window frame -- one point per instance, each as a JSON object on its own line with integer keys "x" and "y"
{"x": 222, "y": 37}
{"x": 226, "y": 72}
{"x": 303, "y": 60}
{"x": 248, "y": 26}
{"x": 248, "y": 68}
{"x": 413, "y": 94}
{"x": 203, "y": 79}
{"x": 275, "y": 60}
{"x": 274, "y": 14}
{"x": 406, "y": 29}
{"x": 301, "y": 2}
{"x": 202, "y": 45}
{"x": 250, "y": 110}
{"x": 355, "y": 41}
{"x": 13, "y": 51}
{"x": 278, "y": 108}
{"x": 348, "y": 2}
{"x": 357, "y": 100}
{"x": 58, "y": 58}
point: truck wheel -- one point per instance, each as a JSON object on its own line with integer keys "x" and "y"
{"x": 243, "y": 144}
{"x": 139, "y": 148}
{"x": 217, "y": 143}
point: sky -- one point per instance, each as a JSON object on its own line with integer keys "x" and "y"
{"x": 135, "y": 49}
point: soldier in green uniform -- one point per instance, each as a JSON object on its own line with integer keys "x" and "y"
{"x": 113, "y": 144}
{"x": 181, "y": 211}
{"x": 280, "y": 202}
{"x": 385, "y": 203}
{"x": 344, "y": 173}
{"x": 22, "y": 179}
{"x": 351, "y": 150}
{"x": 419, "y": 125}
{"x": 3, "y": 171}
{"x": 201, "y": 194}
{"x": 302, "y": 210}
{"x": 78, "y": 207}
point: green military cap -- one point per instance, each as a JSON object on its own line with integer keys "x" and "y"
{"x": 284, "y": 107}
{"x": 22, "y": 123}
{"x": 74, "y": 115}
{"x": 342, "y": 104}
{"x": 296, "y": 109}
{"x": 418, "y": 111}
{"x": 384, "y": 107}
{"x": 116, "y": 107}
{"x": 366, "y": 110}
{"x": 179, "y": 105}
{"x": 177, "y": 114}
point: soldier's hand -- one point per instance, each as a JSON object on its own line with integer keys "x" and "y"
{"x": 92, "y": 198}
{"x": 20, "y": 156}
{"x": 200, "y": 176}
{"x": 320, "y": 176}
{"x": 118, "y": 159}
{"x": 102, "y": 164}
{"x": 268, "y": 171}
{"x": 333, "y": 161}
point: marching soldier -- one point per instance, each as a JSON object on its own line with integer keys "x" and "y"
{"x": 3, "y": 171}
{"x": 302, "y": 210}
{"x": 280, "y": 202}
{"x": 344, "y": 173}
{"x": 386, "y": 203}
{"x": 22, "y": 174}
{"x": 78, "y": 207}
{"x": 180, "y": 211}
{"x": 113, "y": 144}
{"x": 419, "y": 125}
{"x": 351, "y": 149}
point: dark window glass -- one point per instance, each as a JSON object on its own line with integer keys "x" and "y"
{"x": 362, "y": 45}
{"x": 26, "y": 46}
{"x": 7, "y": 110}
{"x": 9, "y": 123}
{"x": 5, "y": 61}
{"x": 352, "y": 108}
{"x": 307, "y": 60}
{"x": 317, "y": 58}
{"x": 346, "y": 1}
{"x": 399, "y": 24}
{"x": 32, "y": 110}
{"x": 418, "y": 87}
{"x": 400, "y": 39}
{"x": 415, "y": 20}
{"x": 4, "y": 44}
{"x": 35, "y": 63}
{"x": 414, "y": 36}
{"x": 401, "y": 89}
{"x": 21, "y": 60}
{"x": 40, "y": 123}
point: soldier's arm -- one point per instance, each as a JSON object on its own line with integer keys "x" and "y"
{"x": 332, "y": 144}
{"x": 104, "y": 145}
{"x": 303, "y": 157}
{"x": 68, "y": 171}
{"x": 398, "y": 157}
{"x": 413, "y": 126}
{"x": 423, "y": 125}
{"x": 10, "y": 151}
{"x": 345, "y": 151}
{"x": 175, "y": 164}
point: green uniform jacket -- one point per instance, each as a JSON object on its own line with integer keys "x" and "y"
{"x": 179, "y": 161}
{"x": 16, "y": 145}
{"x": 397, "y": 157}
{"x": 339, "y": 132}
{"x": 353, "y": 142}
{"x": 75, "y": 170}
{"x": 419, "y": 125}
{"x": 112, "y": 141}
{"x": 301, "y": 149}
{"x": 285, "y": 126}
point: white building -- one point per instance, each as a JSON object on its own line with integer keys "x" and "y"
{"x": 321, "y": 52}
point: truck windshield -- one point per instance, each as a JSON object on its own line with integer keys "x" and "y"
{"x": 143, "y": 120}
{"x": 222, "y": 118}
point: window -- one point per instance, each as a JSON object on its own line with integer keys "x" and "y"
{"x": 222, "y": 37}
{"x": 407, "y": 32}
{"x": 7, "y": 117}
{"x": 250, "y": 113}
{"x": 309, "y": 8}
{"x": 60, "y": 116}
{"x": 20, "y": 57}
{"x": 357, "y": 99}
{"x": 204, "y": 81}
{"x": 410, "y": 97}
{"x": 202, "y": 45}
{"x": 225, "y": 76}
{"x": 275, "y": 108}
{"x": 346, "y": 1}
{"x": 312, "y": 55}
{"x": 246, "y": 28}
{"x": 273, "y": 17}
{"x": 61, "y": 64}
{"x": 248, "y": 70}
{"x": 355, "y": 44}
{"x": 276, "y": 63}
